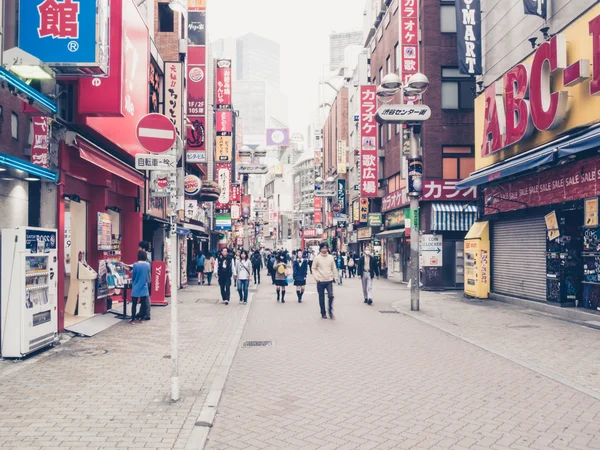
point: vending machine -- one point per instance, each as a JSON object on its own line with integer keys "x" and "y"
{"x": 29, "y": 290}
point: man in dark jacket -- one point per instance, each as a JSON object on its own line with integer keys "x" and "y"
{"x": 257, "y": 265}
{"x": 225, "y": 273}
{"x": 368, "y": 268}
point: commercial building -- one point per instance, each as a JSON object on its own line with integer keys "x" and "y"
{"x": 537, "y": 171}
{"x": 258, "y": 59}
{"x": 339, "y": 42}
{"x": 404, "y": 37}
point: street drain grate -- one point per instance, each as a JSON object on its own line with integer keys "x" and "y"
{"x": 88, "y": 352}
{"x": 258, "y": 344}
{"x": 389, "y": 312}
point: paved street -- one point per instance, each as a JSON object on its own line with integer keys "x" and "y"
{"x": 374, "y": 380}
{"x": 457, "y": 375}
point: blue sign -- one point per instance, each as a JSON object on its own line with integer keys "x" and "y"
{"x": 59, "y": 31}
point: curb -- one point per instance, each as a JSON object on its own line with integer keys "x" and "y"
{"x": 220, "y": 370}
{"x": 502, "y": 354}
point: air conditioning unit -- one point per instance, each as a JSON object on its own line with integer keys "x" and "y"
{"x": 182, "y": 46}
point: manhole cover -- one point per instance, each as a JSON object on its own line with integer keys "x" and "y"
{"x": 389, "y": 312}
{"x": 522, "y": 326}
{"x": 258, "y": 344}
{"x": 89, "y": 352}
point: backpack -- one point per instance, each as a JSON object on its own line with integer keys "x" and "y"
{"x": 351, "y": 262}
{"x": 281, "y": 269}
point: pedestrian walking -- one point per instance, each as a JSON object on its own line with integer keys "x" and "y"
{"x": 311, "y": 258}
{"x": 209, "y": 266}
{"x": 300, "y": 272}
{"x": 257, "y": 265}
{"x": 324, "y": 272}
{"x": 368, "y": 268}
{"x": 200, "y": 258}
{"x": 281, "y": 273}
{"x": 139, "y": 288}
{"x": 271, "y": 267}
{"x": 225, "y": 275}
{"x": 340, "y": 267}
{"x": 242, "y": 271}
{"x": 351, "y": 265}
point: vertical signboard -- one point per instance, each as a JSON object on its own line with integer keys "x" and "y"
{"x": 364, "y": 210}
{"x": 341, "y": 195}
{"x": 341, "y": 157}
{"x": 369, "y": 162}
{"x": 195, "y": 136}
{"x": 39, "y": 146}
{"x": 223, "y": 85}
{"x": 223, "y": 174}
{"x": 409, "y": 37}
{"x": 173, "y": 84}
{"x": 468, "y": 36}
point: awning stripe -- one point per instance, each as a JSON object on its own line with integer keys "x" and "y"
{"x": 452, "y": 216}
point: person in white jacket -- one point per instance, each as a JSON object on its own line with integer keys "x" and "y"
{"x": 241, "y": 271}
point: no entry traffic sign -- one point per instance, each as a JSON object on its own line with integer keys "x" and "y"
{"x": 156, "y": 133}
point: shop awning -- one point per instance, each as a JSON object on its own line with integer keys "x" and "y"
{"x": 587, "y": 141}
{"x": 191, "y": 226}
{"x": 96, "y": 156}
{"x": 477, "y": 230}
{"x": 511, "y": 166}
{"x": 390, "y": 234}
{"x": 26, "y": 166}
{"x": 451, "y": 216}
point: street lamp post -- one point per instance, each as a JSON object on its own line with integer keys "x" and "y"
{"x": 417, "y": 85}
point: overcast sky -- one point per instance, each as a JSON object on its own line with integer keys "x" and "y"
{"x": 302, "y": 29}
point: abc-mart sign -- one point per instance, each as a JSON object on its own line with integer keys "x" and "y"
{"x": 527, "y": 102}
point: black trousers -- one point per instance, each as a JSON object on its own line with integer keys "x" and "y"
{"x": 323, "y": 286}
{"x": 256, "y": 271}
{"x": 225, "y": 289}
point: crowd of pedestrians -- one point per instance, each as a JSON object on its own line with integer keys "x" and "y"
{"x": 240, "y": 267}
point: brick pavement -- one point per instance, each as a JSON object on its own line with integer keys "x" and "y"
{"x": 113, "y": 390}
{"x": 379, "y": 381}
{"x": 548, "y": 344}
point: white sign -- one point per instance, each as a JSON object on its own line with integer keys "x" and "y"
{"x": 162, "y": 183}
{"x": 403, "y": 113}
{"x": 155, "y": 162}
{"x": 431, "y": 250}
{"x": 253, "y": 168}
{"x": 195, "y": 157}
{"x": 191, "y": 209}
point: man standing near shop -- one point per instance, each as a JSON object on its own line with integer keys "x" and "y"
{"x": 368, "y": 268}
{"x": 324, "y": 271}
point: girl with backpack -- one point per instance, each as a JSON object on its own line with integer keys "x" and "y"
{"x": 280, "y": 270}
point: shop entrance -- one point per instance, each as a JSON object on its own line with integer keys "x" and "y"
{"x": 76, "y": 245}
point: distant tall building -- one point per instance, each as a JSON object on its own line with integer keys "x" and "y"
{"x": 258, "y": 59}
{"x": 338, "y": 42}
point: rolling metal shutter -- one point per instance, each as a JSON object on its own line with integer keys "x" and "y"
{"x": 519, "y": 258}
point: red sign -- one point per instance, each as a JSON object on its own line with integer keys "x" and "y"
{"x": 573, "y": 181}
{"x": 39, "y": 146}
{"x": 246, "y": 202}
{"x": 394, "y": 200}
{"x": 159, "y": 276}
{"x": 236, "y": 192}
{"x": 119, "y": 101}
{"x": 195, "y": 134}
{"x": 224, "y": 121}
{"x": 223, "y": 86}
{"x": 529, "y": 100}
{"x": 156, "y": 133}
{"x": 196, "y": 100}
{"x": 436, "y": 190}
{"x": 409, "y": 37}
{"x": 318, "y": 202}
{"x": 336, "y": 208}
{"x": 195, "y": 105}
{"x": 318, "y": 219}
{"x": 369, "y": 161}
{"x": 329, "y": 219}
{"x": 310, "y": 233}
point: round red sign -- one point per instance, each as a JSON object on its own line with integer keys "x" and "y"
{"x": 337, "y": 208}
{"x": 156, "y": 133}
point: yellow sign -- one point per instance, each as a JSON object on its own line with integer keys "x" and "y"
{"x": 355, "y": 212}
{"x": 552, "y": 226}
{"x": 364, "y": 210}
{"x": 197, "y": 4}
{"x": 477, "y": 260}
{"x": 591, "y": 212}
{"x": 223, "y": 148}
{"x": 582, "y": 110}
{"x": 364, "y": 233}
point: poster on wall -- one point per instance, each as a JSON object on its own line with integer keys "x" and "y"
{"x": 552, "y": 226}
{"x": 67, "y": 243}
{"x": 104, "y": 232}
{"x": 591, "y": 212}
{"x": 102, "y": 280}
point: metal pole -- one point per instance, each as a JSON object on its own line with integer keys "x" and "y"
{"x": 415, "y": 290}
{"x": 174, "y": 263}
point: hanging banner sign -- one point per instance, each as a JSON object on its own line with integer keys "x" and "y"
{"x": 409, "y": 38}
{"x": 342, "y": 196}
{"x": 224, "y": 121}
{"x": 341, "y": 157}
{"x": 369, "y": 161}
{"x": 223, "y": 148}
{"x": 236, "y": 192}
{"x": 364, "y": 210}
{"x": 468, "y": 36}
{"x": 536, "y": 8}
{"x": 39, "y": 146}
{"x": 223, "y": 86}
{"x": 224, "y": 182}
{"x": 236, "y": 211}
{"x": 173, "y": 94}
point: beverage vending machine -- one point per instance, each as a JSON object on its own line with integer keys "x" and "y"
{"x": 29, "y": 290}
